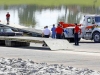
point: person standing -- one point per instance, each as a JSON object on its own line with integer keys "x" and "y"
{"x": 46, "y": 34}
{"x": 59, "y": 32}
{"x": 76, "y": 31}
{"x": 7, "y": 17}
{"x": 53, "y": 31}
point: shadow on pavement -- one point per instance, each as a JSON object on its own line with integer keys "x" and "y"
{"x": 86, "y": 42}
{"x": 35, "y": 48}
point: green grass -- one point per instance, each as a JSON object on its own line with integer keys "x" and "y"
{"x": 51, "y": 2}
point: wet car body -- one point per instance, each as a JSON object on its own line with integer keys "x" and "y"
{"x": 7, "y": 31}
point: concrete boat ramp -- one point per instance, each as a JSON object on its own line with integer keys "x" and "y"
{"x": 53, "y": 44}
{"x": 26, "y": 30}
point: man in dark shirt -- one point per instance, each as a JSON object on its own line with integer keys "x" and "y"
{"x": 7, "y": 17}
{"x": 76, "y": 31}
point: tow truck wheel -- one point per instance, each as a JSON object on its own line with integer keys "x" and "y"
{"x": 79, "y": 39}
{"x": 71, "y": 40}
{"x": 96, "y": 37}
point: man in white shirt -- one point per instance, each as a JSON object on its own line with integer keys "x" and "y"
{"x": 46, "y": 33}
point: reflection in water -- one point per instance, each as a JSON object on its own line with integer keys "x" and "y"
{"x": 48, "y": 17}
{"x": 39, "y": 16}
{"x": 27, "y": 15}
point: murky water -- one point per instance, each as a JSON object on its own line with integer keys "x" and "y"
{"x": 40, "y": 16}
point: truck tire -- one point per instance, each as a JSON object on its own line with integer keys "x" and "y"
{"x": 70, "y": 40}
{"x": 96, "y": 37}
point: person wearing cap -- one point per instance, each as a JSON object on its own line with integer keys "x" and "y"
{"x": 76, "y": 31}
{"x": 53, "y": 31}
{"x": 59, "y": 32}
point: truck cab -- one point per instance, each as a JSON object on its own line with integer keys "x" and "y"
{"x": 91, "y": 30}
{"x": 91, "y": 19}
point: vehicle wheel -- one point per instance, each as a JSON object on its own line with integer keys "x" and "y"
{"x": 79, "y": 39}
{"x": 96, "y": 37}
{"x": 71, "y": 40}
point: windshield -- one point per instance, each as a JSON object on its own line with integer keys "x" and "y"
{"x": 8, "y": 30}
{"x": 97, "y": 19}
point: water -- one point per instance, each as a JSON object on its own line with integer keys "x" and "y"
{"x": 39, "y": 16}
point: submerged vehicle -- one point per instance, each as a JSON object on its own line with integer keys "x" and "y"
{"x": 7, "y": 31}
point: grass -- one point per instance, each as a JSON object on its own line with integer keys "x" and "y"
{"x": 51, "y": 2}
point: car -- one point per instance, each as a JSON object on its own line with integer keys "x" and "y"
{"x": 7, "y": 31}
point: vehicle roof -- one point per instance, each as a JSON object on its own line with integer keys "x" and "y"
{"x": 4, "y": 27}
{"x": 91, "y": 15}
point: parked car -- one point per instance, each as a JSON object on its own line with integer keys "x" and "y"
{"x": 7, "y": 31}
